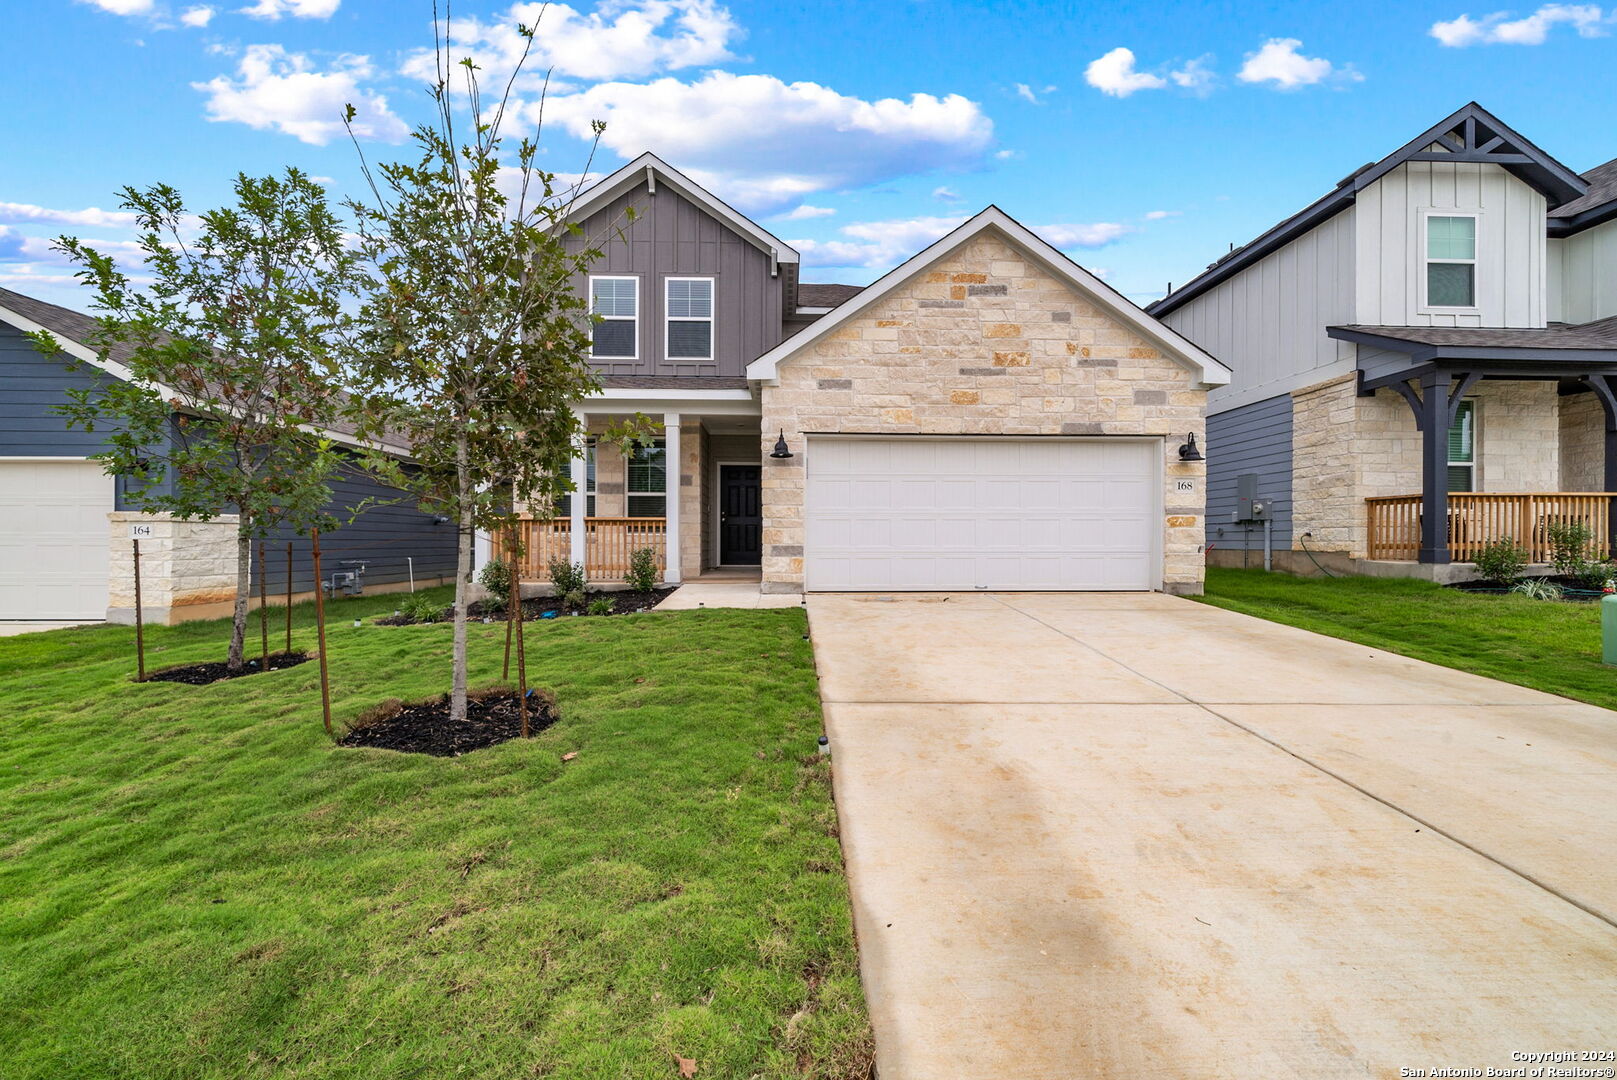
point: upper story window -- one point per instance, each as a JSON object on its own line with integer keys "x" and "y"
{"x": 617, "y": 301}
{"x": 690, "y": 318}
{"x": 1451, "y": 261}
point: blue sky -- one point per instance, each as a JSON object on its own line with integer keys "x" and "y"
{"x": 1142, "y": 140}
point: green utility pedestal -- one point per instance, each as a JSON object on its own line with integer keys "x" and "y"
{"x": 1608, "y": 629}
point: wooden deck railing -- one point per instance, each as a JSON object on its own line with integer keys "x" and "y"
{"x": 610, "y": 543}
{"x": 1476, "y": 519}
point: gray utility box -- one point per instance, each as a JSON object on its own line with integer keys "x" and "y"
{"x": 1248, "y": 506}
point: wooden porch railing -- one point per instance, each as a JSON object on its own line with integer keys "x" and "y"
{"x": 610, "y": 543}
{"x": 1478, "y": 518}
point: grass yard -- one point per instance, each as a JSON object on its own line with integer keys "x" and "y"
{"x": 195, "y": 883}
{"x": 1543, "y": 644}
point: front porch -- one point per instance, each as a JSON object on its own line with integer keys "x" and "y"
{"x": 1505, "y": 409}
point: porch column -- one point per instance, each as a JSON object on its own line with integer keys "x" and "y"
{"x": 578, "y": 504}
{"x": 671, "y": 470}
{"x": 1435, "y": 417}
{"x": 1602, "y": 388}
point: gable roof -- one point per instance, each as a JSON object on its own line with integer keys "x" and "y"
{"x": 1471, "y": 133}
{"x": 825, "y": 296}
{"x": 1597, "y": 205}
{"x": 993, "y": 218}
{"x": 650, "y": 167}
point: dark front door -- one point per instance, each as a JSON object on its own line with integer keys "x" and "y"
{"x": 741, "y": 523}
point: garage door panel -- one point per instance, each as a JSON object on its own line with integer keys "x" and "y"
{"x": 982, "y": 513}
{"x": 53, "y": 539}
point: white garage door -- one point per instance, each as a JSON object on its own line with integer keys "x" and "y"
{"x": 990, "y": 513}
{"x": 53, "y": 539}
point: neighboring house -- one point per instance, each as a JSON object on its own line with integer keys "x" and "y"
{"x": 56, "y": 559}
{"x": 1423, "y": 359}
{"x": 988, "y": 415}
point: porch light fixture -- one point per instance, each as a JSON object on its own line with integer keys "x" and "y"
{"x": 781, "y": 450}
{"x": 1188, "y": 451}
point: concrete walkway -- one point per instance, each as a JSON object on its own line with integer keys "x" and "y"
{"x": 725, "y": 594}
{"x": 13, "y": 627}
{"x": 1129, "y": 835}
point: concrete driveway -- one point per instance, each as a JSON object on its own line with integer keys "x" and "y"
{"x": 1128, "y": 835}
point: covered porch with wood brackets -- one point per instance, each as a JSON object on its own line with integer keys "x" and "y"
{"x": 1435, "y": 370}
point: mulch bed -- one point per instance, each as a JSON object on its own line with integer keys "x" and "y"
{"x": 203, "y": 674}
{"x": 1575, "y": 590}
{"x": 424, "y": 727}
{"x": 623, "y": 603}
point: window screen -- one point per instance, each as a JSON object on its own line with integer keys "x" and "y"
{"x": 617, "y": 302}
{"x": 647, "y": 481}
{"x": 690, "y": 318}
{"x": 1463, "y": 448}
{"x": 1451, "y": 268}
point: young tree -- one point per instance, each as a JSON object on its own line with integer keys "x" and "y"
{"x": 472, "y": 342}
{"x": 231, "y": 374}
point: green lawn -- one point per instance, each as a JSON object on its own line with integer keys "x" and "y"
{"x": 1544, "y": 644}
{"x": 195, "y": 883}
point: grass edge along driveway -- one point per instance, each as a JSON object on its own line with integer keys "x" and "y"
{"x": 195, "y": 883}
{"x": 1547, "y": 645}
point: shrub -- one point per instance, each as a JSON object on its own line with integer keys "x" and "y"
{"x": 574, "y": 599}
{"x": 1537, "y": 589}
{"x": 1570, "y": 543}
{"x": 1501, "y": 561}
{"x": 567, "y": 577}
{"x": 643, "y": 574}
{"x": 496, "y": 578}
{"x": 601, "y": 605}
{"x": 422, "y": 608}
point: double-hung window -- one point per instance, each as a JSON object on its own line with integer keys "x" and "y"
{"x": 689, "y": 308}
{"x": 1463, "y": 448}
{"x": 1451, "y": 261}
{"x": 616, "y": 302}
{"x": 648, "y": 481}
{"x": 564, "y": 503}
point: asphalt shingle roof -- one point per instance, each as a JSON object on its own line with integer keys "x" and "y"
{"x": 1600, "y": 334}
{"x": 825, "y": 295}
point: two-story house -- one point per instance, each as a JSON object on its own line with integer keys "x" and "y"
{"x": 1423, "y": 360}
{"x": 988, "y": 415}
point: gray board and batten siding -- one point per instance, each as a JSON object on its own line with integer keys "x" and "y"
{"x": 674, "y": 237}
{"x": 1255, "y": 439}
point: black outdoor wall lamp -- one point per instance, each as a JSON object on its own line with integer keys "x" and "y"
{"x": 1188, "y": 451}
{"x": 781, "y": 450}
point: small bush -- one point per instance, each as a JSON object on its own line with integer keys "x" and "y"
{"x": 496, "y": 578}
{"x": 601, "y": 605}
{"x": 422, "y": 607}
{"x": 1501, "y": 561}
{"x": 1537, "y": 589}
{"x": 1570, "y": 544}
{"x": 643, "y": 573}
{"x": 567, "y": 577}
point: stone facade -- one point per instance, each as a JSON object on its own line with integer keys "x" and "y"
{"x": 187, "y": 568}
{"x": 1347, "y": 448}
{"x": 984, "y": 342}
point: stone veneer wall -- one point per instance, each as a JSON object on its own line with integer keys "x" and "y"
{"x": 1346, "y": 449}
{"x": 984, "y": 343}
{"x": 187, "y": 568}
{"x": 1583, "y": 444}
{"x": 691, "y": 487}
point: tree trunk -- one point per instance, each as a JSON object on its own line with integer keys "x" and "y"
{"x": 244, "y": 590}
{"x": 463, "y": 576}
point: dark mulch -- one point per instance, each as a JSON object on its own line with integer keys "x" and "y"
{"x": 203, "y": 674}
{"x": 1575, "y": 590}
{"x": 623, "y": 603}
{"x": 424, "y": 727}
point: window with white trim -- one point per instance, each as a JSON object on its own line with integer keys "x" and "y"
{"x": 564, "y": 503}
{"x": 1463, "y": 448}
{"x": 689, "y": 314}
{"x": 616, "y": 303}
{"x": 1451, "y": 261}
{"x": 647, "y": 478}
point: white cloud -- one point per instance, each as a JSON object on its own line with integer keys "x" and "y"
{"x": 1196, "y": 76}
{"x": 1158, "y": 215}
{"x": 1114, "y": 74}
{"x": 805, "y": 212}
{"x": 1279, "y": 62}
{"x": 282, "y": 91}
{"x": 199, "y": 16}
{"x": 888, "y": 243}
{"x": 324, "y": 181}
{"x": 945, "y": 194}
{"x": 93, "y": 217}
{"x": 765, "y": 144}
{"x": 623, "y": 39}
{"x": 1006, "y": 155}
{"x": 1032, "y": 96}
{"x": 122, "y": 7}
{"x": 1500, "y": 29}
{"x": 298, "y": 9}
